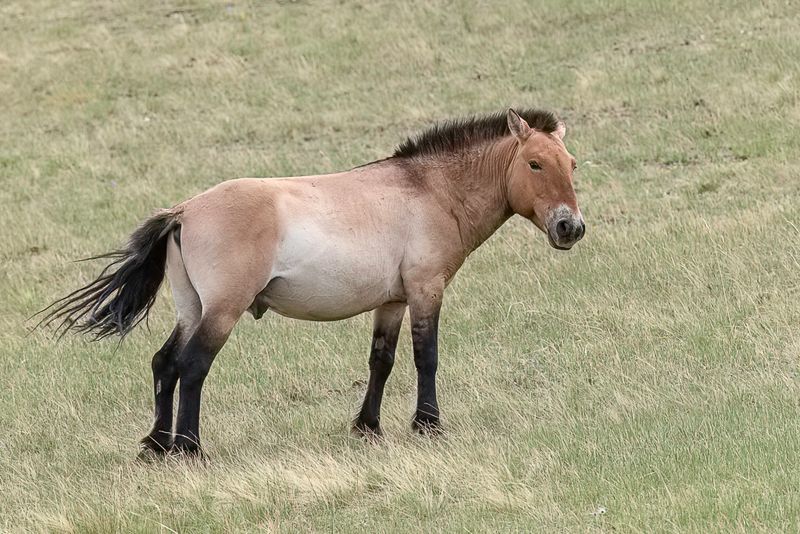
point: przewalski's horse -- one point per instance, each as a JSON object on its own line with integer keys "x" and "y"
{"x": 385, "y": 236}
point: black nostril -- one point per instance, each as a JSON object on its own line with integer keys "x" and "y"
{"x": 583, "y": 230}
{"x": 561, "y": 228}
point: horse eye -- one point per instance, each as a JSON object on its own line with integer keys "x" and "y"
{"x": 535, "y": 166}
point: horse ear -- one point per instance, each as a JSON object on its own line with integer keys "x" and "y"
{"x": 561, "y": 130}
{"x": 518, "y": 126}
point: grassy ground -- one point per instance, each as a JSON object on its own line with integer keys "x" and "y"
{"x": 652, "y": 372}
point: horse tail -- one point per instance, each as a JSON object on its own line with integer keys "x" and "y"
{"x": 122, "y": 295}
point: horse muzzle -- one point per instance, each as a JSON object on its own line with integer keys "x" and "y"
{"x": 565, "y": 230}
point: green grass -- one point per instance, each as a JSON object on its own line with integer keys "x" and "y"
{"x": 652, "y": 371}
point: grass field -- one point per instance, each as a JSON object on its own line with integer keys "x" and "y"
{"x": 652, "y": 372}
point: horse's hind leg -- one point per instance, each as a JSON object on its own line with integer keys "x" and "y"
{"x": 164, "y": 364}
{"x": 228, "y": 258}
{"x": 165, "y": 377}
{"x": 193, "y": 364}
{"x": 225, "y": 293}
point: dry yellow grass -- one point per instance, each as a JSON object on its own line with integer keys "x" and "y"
{"x": 651, "y": 373}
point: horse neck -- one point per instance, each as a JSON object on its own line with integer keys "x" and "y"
{"x": 475, "y": 184}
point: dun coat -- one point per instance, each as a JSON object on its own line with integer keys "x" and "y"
{"x": 386, "y": 236}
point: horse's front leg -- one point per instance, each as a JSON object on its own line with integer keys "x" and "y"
{"x": 386, "y": 329}
{"x": 424, "y": 306}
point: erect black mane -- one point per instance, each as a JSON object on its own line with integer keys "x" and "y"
{"x": 459, "y": 134}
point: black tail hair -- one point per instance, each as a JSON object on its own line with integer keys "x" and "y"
{"x": 122, "y": 295}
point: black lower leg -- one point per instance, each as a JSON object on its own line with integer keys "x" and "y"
{"x": 385, "y": 332}
{"x": 193, "y": 366}
{"x": 381, "y": 361}
{"x": 165, "y": 377}
{"x": 424, "y": 333}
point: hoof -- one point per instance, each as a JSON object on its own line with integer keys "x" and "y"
{"x": 427, "y": 425}
{"x": 153, "y": 447}
{"x": 186, "y": 448}
{"x": 362, "y": 429}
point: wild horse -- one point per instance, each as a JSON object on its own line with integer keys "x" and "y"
{"x": 384, "y": 236}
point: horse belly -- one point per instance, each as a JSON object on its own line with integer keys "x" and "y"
{"x": 315, "y": 300}
{"x": 324, "y": 280}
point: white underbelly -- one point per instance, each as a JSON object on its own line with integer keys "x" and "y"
{"x": 317, "y": 277}
{"x": 324, "y": 299}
